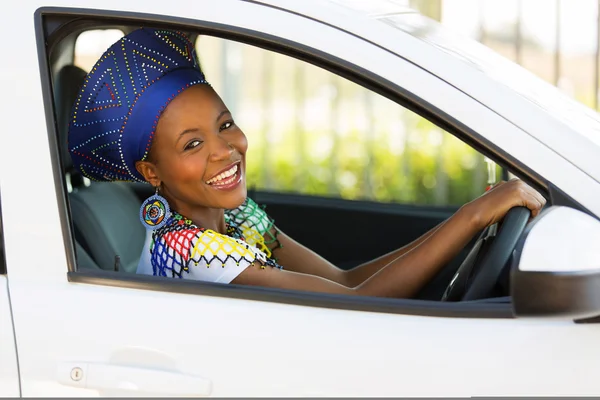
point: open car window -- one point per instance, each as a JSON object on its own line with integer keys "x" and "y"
{"x": 322, "y": 147}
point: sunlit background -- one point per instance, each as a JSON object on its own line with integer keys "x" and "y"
{"x": 311, "y": 132}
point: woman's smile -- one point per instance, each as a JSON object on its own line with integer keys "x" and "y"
{"x": 228, "y": 178}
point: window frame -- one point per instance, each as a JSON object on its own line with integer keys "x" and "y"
{"x": 49, "y": 19}
{"x": 3, "y": 269}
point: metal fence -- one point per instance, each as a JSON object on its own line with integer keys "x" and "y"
{"x": 576, "y": 71}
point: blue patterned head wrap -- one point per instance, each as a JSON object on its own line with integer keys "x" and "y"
{"x": 122, "y": 98}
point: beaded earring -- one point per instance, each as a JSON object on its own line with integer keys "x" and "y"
{"x": 154, "y": 211}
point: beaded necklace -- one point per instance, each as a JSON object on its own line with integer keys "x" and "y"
{"x": 178, "y": 225}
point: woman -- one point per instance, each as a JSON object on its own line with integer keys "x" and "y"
{"x": 146, "y": 113}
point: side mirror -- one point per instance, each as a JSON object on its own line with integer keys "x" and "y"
{"x": 556, "y": 266}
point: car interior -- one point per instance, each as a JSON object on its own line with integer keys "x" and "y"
{"x": 105, "y": 216}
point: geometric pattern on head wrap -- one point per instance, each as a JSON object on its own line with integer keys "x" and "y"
{"x": 117, "y": 109}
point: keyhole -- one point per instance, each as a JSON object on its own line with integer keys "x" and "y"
{"x": 76, "y": 374}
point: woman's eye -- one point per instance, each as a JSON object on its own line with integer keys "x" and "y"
{"x": 192, "y": 144}
{"x": 226, "y": 125}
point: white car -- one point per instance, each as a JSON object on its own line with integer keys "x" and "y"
{"x": 520, "y": 319}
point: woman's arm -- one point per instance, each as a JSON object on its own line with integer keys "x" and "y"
{"x": 359, "y": 274}
{"x": 407, "y": 274}
{"x": 298, "y": 258}
{"x": 402, "y": 277}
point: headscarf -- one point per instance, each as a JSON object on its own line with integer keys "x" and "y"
{"x": 117, "y": 110}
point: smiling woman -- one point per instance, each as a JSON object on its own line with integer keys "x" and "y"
{"x": 146, "y": 113}
{"x": 192, "y": 152}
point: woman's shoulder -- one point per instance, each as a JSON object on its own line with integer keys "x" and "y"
{"x": 249, "y": 215}
{"x": 256, "y": 226}
{"x": 185, "y": 250}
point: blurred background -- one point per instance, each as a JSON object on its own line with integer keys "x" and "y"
{"x": 313, "y": 133}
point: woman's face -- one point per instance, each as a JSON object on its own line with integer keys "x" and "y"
{"x": 198, "y": 154}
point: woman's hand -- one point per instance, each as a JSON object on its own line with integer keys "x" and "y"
{"x": 492, "y": 206}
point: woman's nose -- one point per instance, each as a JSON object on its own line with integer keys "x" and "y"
{"x": 220, "y": 149}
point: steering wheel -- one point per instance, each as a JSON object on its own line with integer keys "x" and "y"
{"x": 480, "y": 270}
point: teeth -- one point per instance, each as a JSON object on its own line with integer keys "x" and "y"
{"x": 224, "y": 175}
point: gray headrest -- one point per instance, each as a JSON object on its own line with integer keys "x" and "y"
{"x": 68, "y": 83}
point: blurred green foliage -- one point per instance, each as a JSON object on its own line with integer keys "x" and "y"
{"x": 452, "y": 174}
{"x": 312, "y": 132}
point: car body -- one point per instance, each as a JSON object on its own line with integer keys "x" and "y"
{"x": 71, "y": 332}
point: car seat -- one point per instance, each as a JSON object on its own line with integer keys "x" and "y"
{"x": 84, "y": 261}
{"x": 105, "y": 215}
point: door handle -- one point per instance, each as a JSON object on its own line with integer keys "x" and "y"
{"x": 111, "y": 378}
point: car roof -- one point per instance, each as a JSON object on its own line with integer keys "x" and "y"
{"x": 565, "y": 125}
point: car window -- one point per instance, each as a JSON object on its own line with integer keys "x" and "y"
{"x": 312, "y": 135}
{"x": 315, "y": 133}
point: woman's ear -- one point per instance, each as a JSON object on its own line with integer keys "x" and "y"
{"x": 148, "y": 170}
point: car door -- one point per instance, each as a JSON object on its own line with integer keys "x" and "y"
{"x": 100, "y": 333}
{"x": 9, "y": 372}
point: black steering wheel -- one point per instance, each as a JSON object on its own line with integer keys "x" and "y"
{"x": 480, "y": 270}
